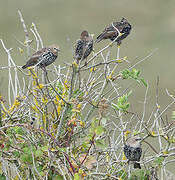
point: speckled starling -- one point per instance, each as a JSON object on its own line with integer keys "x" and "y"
{"x": 111, "y": 33}
{"x": 133, "y": 150}
{"x": 43, "y": 57}
{"x": 84, "y": 46}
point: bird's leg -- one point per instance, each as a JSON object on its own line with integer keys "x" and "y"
{"x": 85, "y": 62}
{"x": 45, "y": 72}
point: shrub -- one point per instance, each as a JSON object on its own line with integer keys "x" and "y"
{"x": 75, "y": 125}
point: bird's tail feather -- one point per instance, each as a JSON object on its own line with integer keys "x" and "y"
{"x": 25, "y": 66}
{"x": 99, "y": 38}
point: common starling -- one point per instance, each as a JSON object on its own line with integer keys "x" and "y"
{"x": 133, "y": 150}
{"x": 111, "y": 33}
{"x": 84, "y": 46}
{"x": 43, "y": 57}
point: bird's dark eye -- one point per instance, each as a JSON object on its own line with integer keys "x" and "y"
{"x": 56, "y": 49}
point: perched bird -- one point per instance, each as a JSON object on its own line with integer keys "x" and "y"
{"x": 43, "y": 57}
{"x": 133, "y": 150}
{"x": 111, "y": 33}
{"x": 84, "y": 46}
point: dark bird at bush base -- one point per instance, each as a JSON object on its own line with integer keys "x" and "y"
{"x": 133, "y": 150}
{"x": 110, "y": 32}
{"x": 43, "y": 57}
{"x": 84, "y": 46}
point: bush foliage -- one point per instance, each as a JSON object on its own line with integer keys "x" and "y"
{"x": 71, "y": 122}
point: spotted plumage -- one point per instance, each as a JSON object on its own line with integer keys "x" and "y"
{"x": 111, "y": 33}
{"x": 133, "y": 150}
{"x": 84, "y": 46}
{"x": 43, "y": 57}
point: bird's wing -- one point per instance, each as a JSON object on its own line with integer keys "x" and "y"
{"x": 40, "y": 52}
{"x": 112, "y": 27}
{"x": 139, "y": 153}
{"x": 33, "y": 60}
{"x": 89, "y": 42}
{"x": 109, "y": 31}
{"x": 106, "y": 35}
{"x": 79, "y": 47}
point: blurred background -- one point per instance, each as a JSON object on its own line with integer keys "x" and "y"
{"x": 61, "y": 22}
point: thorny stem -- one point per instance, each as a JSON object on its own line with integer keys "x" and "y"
{"x": 92, "y": 143}
{"x": 61, "y": 121}
{"x": 69, "y": 137}
{"x": 72, "y": 167}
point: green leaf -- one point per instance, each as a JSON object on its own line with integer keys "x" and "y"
{"x": 138, "y": 81}
{"x": 93, "y": 124}
{"x": 38, "y": 153}
{"x": 100, "y": 143}
{"x": 85, "y": 144}
{"x": 115, "y": 106}
{"x": 173, "y": 115}
{"x": 40, "y": 168}
{"x": 122, "y": 99}
{"x": 122, "y": 174}
{"x": 158, "y": 161}
{"x": 126, "y": 106}
{"x": 16, "y": 154}
{"x": 2, "y": 177}
{"x": 125, "y": 74}
{"x": 19, "y": 130}
{"x": 99, "y": 130}
{"x": 122, "y": 103}
{"x": 76, "y": 176}
{"x": 103, "y": 121}
{"x": 26, "y": 158}
{"x": 62, "y": 149}
{"x": 143, "y": 81}
{"x": 94, "y": 103}
{"x": 57, "y": 177}
{"x": 44, "y": 148}
{"x": 133, "y": 74}
{"x": 26, "y": 150}
{"x": 140, "y": 174}
{"x": 130, "y": 92}
{"x": 137, "y": 73}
